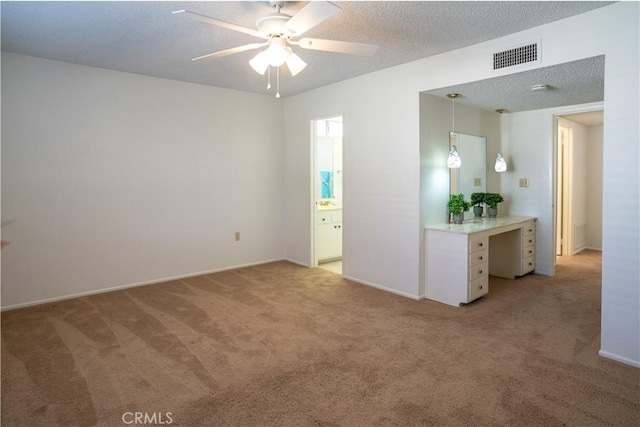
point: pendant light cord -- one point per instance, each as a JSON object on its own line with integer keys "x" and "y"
{"x": 453, "y": 115}
{"x": 269, "y": 77}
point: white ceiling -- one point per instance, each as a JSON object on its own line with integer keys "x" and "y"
{"x": 145, "y": 38}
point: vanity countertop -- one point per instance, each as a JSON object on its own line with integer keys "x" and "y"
{"x": 329, "y": 207}
{"x": 477, "y": 225}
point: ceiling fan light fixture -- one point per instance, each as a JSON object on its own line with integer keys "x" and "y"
{"x": 277, "y": 52}
{"x": 260, "y": 63}
{"x": 295, "y": 64}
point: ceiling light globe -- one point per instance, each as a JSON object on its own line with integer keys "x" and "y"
{"x": 454, "y": 161}
{"x": 260, "y": 63}
{"x": 277, "y": 52}
{"x": 501, "y": 164}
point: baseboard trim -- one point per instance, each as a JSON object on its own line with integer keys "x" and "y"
{"x": 133, "y": 285}
{"x": 626, "y": 361}
{"x": 293, "y": 261}
{"x": 383, "y": 288}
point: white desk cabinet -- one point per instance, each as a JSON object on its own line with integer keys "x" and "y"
{"x": 460, "y": 258}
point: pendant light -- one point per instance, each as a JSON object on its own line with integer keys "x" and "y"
{"x": 453, "y": 161}
{"x": 501, "y": 165}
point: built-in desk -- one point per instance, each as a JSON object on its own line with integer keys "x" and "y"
{"x": 460, "y": 258}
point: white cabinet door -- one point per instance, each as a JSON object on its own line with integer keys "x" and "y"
{"x": 329, "y": 235}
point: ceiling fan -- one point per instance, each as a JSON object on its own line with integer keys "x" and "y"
{"x": 279, "y": 31}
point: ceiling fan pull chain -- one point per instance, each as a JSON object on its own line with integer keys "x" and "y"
{"x": 269, "y": 78}
{"x": 278, "y": 82}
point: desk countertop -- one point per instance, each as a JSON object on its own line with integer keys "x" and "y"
{"x": 477, "y": 225}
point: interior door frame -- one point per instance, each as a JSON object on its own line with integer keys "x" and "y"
{"x": 564, "y": 192}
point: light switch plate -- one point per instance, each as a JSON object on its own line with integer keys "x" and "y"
{"x": 524, "y": 182}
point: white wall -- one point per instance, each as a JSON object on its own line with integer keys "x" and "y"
{"x": 115, "y": 179}
{"x": 435, "y": 124}
{"x": 382, "y": 168}
{"x": 530, "y": 150}
{"x": 594, "y": 184}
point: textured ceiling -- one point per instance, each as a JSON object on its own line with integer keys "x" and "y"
{"x": 571, "y": 83}
{"x": 145, "y": 38}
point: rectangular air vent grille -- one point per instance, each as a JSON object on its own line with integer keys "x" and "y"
{"x": 515, "y": 56}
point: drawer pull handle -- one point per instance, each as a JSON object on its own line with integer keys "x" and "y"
{"x": 480, "y": 272}
{"x": 530, "y": 264}
{"x": 530, "y": 230}
{"x": 480, "y": 287}
{"x": 480, "y": 258}
{"x": 530, "y": 241}
{"x": 480, "y": 244}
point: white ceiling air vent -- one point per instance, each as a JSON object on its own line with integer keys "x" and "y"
{"x": 516, "y": 56}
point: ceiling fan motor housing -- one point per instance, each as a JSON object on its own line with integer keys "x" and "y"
{"x": 272, "y": 24}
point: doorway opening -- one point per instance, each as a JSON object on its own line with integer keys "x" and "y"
{"x": 579, "y": 177}
{"x": 327, "y": 193}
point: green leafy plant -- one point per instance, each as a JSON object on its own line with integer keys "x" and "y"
{"x": 492, "y": 199}
{"x": 457, "y": 204}
{"x": 477, "y": 198}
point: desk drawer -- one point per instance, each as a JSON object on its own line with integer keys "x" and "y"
{"x": 528, "y": 264}
{"x": 528, "y": 241}
{"x": 528, "y": 251}
{"x": 478, "y": 244}
{"x": 478, "y": 287}
{"x": 478, "y": 271}
{"x": 476, "y": 258}
{"x": 529, "y": 229}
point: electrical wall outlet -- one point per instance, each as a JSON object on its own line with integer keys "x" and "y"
{"x": 524, "y": 182}
{"x": 237, "y": 236}
{"x": 477, "y": 182}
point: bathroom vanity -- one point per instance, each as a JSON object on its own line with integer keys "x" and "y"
{"x": 460, "y": 258}
{"x": 328, "y": 232}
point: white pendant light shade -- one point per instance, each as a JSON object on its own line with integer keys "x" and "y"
{"x": 260, "y": 63}
{"x": 295, "y": 64}
{"x": 501, "y": 165}
{"x": 277, "y": 52}
{"x": 454, "y": 160}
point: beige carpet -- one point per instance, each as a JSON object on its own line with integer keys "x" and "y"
{"x": 282, "y": 345}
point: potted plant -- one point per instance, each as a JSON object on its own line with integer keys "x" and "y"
{"x": 492, "y": 200}
{"x": 457, "y": 206}
{"x": 476, "y": 200}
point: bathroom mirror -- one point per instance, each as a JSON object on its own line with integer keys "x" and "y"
{"x": 471, "y": 177}
{"x": 329, "y": 161}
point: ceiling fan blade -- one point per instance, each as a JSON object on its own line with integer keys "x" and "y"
{"x": 350, "y": 48}
{"x": 214, "y": 21}
{"x": 311, "y": 15}
{"x": 231, "y": 51}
